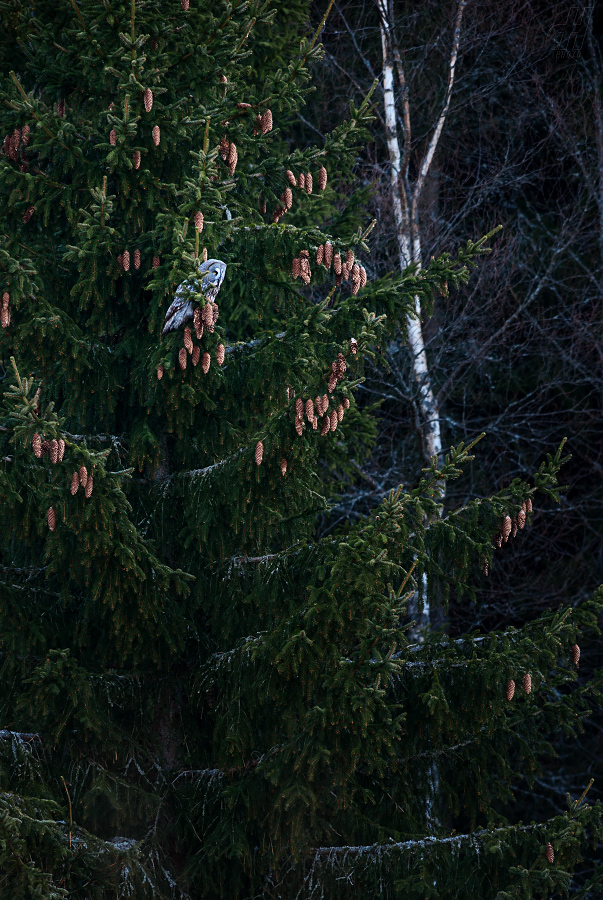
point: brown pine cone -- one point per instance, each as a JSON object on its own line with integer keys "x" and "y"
{"x": 346, "y": 403}
{"x": 291, "y": 178}
{"x": 51, "y": 517}
{"x": 322, "y": 178}
{"x": 28, "y": 213}
{"x": 5, "y": 300}
{"x": 342, "y": 366}
{"x": 353, "y": 346}
{"x": 224, "y": 148}
{"x": 309, "y": 409}
{"x": 159, "y": 373}
{"x": 136, "y": 159}
{"x": 113, "y": 137}
{"x": 233, "y": 158}
{"x": 485, "y": 567}
{"x": 349, "y": 257}
{"x": 61, "y": 449}
{"x": 44, "y": 447}
{"x": 205, "y": 363}
{"x": 296, "y": 268}
{"x": 182, "y": 358}
{"x": 332, "y": 383}
{"x": 510, "y": 689}
{"x": 513, "y": 527}
{"x": 328, "y": 254}
{"x": 333, "y": 420}
{"x": 60, "y": 109}
{"x": 83, "y": 476}
{"x": 188, "y": 339}
{"x": 148, "y": 99}
{"x": 288, "y": 198}
{"x": 53, "y": 449}
{"x": 156, "y": 133}
{"x": 299, "y": 425}
{"x": 283, "y": 466}
{"x": 198, "y": 322}
{"x": 308, "y": 183}
{"x": 259, "y": 453}
{"x": 301, "y": 181}
{"x": 326, "y": 426}
{"x": 89, "y": 486}
{"x": 345, "y": 271}
{"x": 137, "y": 259}
{"x": 320, "y": 254}
{"x": 196, "y": 355}
{"x": 155, "y": 262}
{"x": 505, "y": 528}
{"x": 527, "y": 682}
{"x": 266, "y": 122}
{"x": 337, "y": 263}
{"x": 220, "y": 351}
{"x": 36, "y": 443}
{"x": 125, "y": 260}
{"x": 521, "y": 519}
{"x": 199, "y": 221}
{"x": 299, "y": 407}
{"x": 576, "y": 654}
{"x": 75, "y": 483}
{"x": 340, "y": 412}
{"x": 550, "y": 853}
{"x": 362, "y": 276}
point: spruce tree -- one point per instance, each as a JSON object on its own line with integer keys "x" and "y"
{"x": 201, "y": 697}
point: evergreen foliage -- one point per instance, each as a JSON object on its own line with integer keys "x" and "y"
{"x": 200, "y": 698}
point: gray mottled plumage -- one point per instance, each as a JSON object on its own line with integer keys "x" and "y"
{"x": 181, "y": 308}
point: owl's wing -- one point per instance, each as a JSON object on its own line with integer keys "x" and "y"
{"x": 181, "y": 309}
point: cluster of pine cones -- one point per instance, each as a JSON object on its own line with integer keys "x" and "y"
{"x": 344, "y": 270}
{"x": 82, "y": 479}
{"x": 15, "y": 142}
{"x": 54, "y": 448}
{"x": 509, "y": 526}
{"x": 304, "y": 182}
{"x": 203, "y": 317}
{"x": 229, "y": 153}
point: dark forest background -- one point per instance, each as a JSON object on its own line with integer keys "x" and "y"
{"x": 518, "y": 353}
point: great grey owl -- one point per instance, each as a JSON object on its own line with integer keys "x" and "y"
{"x": 181, "y": 308}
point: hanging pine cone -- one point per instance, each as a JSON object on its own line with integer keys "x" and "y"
{"x": 5, "y": 318}
{"x": 224, "y": 148}
{"x": 576, "y": 654}
{"x": 527, "y": 505}
{"x": 113, "y": 137}
{"x": 53, "y": 449}
{"x": 61, "y": 449}
{"x": 148, "y": 99}
{"x": 290, "y": 393}
{"x": 159, "y": 373}
{"x": 337, "y": 263}
{"x": 505, "y": 528}
{"x": 346, "y": 403}
{"x": 45, "y": 446}
{"x": 308, "y": 183}
{"x": 305, "y": 271}
{"x": 220, "y": 354}
{"x": 314, "y": 423}
{"x": 185, "y": 5}
{"x": 61, "y": 108}
{"x": 513, "y": 527}
{"x": 198, "y": 322}
{"x": 288, "y": 198}
{"x": 510, "y": 689}
{"x": 328, "y": 254}
{"x": 527, "y": 682}
{"x": 309, "y": 409}
{"x": 36, "y": 443}
{"x": 345, "y": 271}
{"x": 196, "y": 355}
{"x": 283, "y": 466}
{"x": 353, "y": 346}
{"x": 322, "y": 178}
{"x": 125, "y": 260}
{"x": 325, "y": 427}
{"x": 136, "y": 159}
{"x": 206, "y": 316}
{"x": 340, "y": 412}
{"x": 215, "y": 312}
{"x": 50, "y": 515}
{"x": 259, "y": 453}
{"x": 205, "y": 363}
{"x": 83, "y": 476}
{"x": 299, "y": 425}
{"x": 485, "y": 567}
{"x": 291, "y": 178}
{"x": 299, "y": 407}
{"x": 155, "y": 262}
{"x": 137, "y": 259}
{"x": 199, "y": 221}
{"x": 5, "y": 300}
{"x": 349, "y": 257}
{"x": 233, "y": 157}
{"x": 266, "y": 122}
{"x": 320, "y": 254}
{"x": 188, "y": 339}
{"x": 89, "y": 486}
{"x": 182, "y": 358}
{"x": 332, "y": 383}
{"x": 550, "y": 853}
{"x": 498, "y": 540}
{"x": 301, "y": 181}
{"x": 333, "y": 420}
{"x": 325, "y": 402}
{"x": 362, "y": 276}
{"x": 75, "y": 483}
{"x": 342, "y": 366}
{"x": 28, "y": 214}
{"x": 156, "y": 134}
{"x": 521, "y": 518}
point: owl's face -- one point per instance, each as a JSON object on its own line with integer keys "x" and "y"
{"x": 213, "y": 271}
